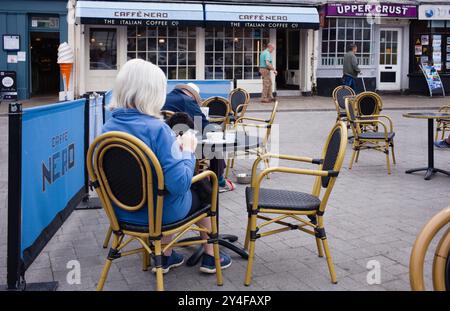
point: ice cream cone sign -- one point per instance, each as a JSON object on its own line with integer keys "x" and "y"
{"x": 65, "y": 61}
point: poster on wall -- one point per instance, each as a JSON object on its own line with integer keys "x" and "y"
{"x": 418, "y": 50}
{"x": 437, "y": 41}
{"x": 425, "y": 40}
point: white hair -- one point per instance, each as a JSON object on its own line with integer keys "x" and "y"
{"x": 141, "y": 85}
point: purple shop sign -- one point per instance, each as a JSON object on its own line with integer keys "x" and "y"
{"x": 392, "y": 10}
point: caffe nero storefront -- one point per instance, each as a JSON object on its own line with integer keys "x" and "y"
{"x": 194, "y": 40}
{"x": 381, "y": 32}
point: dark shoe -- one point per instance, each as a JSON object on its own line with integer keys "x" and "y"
{"x": 169, "y": 262}
{"x": 209, "y": 266}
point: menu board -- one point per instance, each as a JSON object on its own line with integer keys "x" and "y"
{"x": 433, "y": 79}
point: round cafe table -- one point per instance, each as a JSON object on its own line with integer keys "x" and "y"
{"x": 431, "y": 117}
{"x": 215, "y": 152}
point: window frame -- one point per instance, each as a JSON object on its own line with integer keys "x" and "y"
{"x": 243, "y": 54}
{"x": 162, "y": 56}
{"x": 334, "y": 41}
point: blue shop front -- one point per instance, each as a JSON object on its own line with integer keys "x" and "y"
{"x": 30, "y": 32}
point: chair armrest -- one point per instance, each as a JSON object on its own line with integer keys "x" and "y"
{"x": 283, "y": 157}
{"x": 292, "y": 158}
{"x": 385, "y": 129}
{"x": 380, "y": 116}
{"x": 236, "y": 124}
{"x": 240, "y": 107}
{"x": 251, "y": 119}
{"x": 289, "y": 170}
{"x": 215, "y": 186}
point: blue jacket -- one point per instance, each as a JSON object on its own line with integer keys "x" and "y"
{"x": 177, "y": 166}
{"x": 177, "y": 101}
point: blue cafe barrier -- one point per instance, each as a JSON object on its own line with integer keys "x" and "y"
{"x": 106, "y": 101}
{"x": 96, "y": 115}
{"x": 46, "y": 177}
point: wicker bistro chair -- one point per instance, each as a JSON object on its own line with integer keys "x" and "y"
{"x": 256, "y": 123}
{"x": 442, "y": 125}
{"x": 339, "y": 94}
{"x": 219, "y": 110}
{"x": 380, "y": 141}
{"x": 239, "y": 100}
{"x": 368, "y": 104}
{"x": 284, "y": 204}
{"x": 122, "y": 170}
{"x": 441, "y": 262}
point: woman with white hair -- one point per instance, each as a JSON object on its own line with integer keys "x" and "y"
{"x": 138, "y": 95}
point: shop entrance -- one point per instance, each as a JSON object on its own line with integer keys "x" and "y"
{"x": 288, "y": 59}
{"x": 44, "y": 66}
{"x": 390, "y": 59}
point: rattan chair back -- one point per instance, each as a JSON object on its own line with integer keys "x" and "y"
{"x": 339, "y": 94}
{"x": 125, "y": 170}
{"x": 239, "y": 99}
{"x": 368, "y": 103}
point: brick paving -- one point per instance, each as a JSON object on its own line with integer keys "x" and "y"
{"x": 370, "y": 216}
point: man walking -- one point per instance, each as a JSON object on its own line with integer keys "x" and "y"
{"x": 265, "y": 67}
{"x": 351, "y": 68}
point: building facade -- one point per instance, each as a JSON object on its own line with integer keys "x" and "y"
{"x": 382, "y": 33}
{"x": 31, "y": 32}
{"x": 195, "y": 40}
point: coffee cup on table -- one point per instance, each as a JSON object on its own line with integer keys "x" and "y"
{"x": 214, "y": 136}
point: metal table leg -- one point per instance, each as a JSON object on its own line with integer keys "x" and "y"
{"x": 430, "y": 169}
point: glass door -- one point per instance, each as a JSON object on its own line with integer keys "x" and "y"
{"x": 390, "y": 59}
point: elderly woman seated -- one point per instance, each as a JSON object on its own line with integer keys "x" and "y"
{"x": 138, "y": 95}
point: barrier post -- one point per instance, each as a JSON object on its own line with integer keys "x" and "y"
{"x": 86, "y": 145}
{"x": 14, "y": 195}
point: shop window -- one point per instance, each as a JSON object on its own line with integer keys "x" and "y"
{"x": 233, "y": 53}
{"x": 339, "y": 33}
{"x": 172, "y": 49}
{"x": 103, "y": 49}
{"x": 431, "y": 45}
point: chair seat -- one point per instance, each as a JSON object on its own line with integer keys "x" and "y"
{"x": 140, "y": 228}
{"x": 376, "y": 135}
{"x": 283, "y": 200}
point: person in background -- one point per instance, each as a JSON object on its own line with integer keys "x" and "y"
{"x": 265, "y": 67}
{"x": 351, "y": 68}
{"x": 186, "y": 98}
{"x": 138, "y": 95}
{"x": 445, "y": 143}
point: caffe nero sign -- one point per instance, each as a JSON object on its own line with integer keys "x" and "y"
{"x": 392, "y": 10}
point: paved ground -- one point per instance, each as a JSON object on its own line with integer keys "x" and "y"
{"x": 371, "y": 216}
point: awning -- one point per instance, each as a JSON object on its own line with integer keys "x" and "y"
{"x": 262, "y": 16}
{"x": 139, "y": 13}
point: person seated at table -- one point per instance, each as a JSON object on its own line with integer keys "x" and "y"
{"x": 138, "y": 95}
{"x": 445, "y": 143}
{"x": 186, "y": 98}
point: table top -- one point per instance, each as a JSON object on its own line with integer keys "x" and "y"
{"x": 427, "y": 115}
{"x": 217, "y": 150}
{"x": 242, "y": 142}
